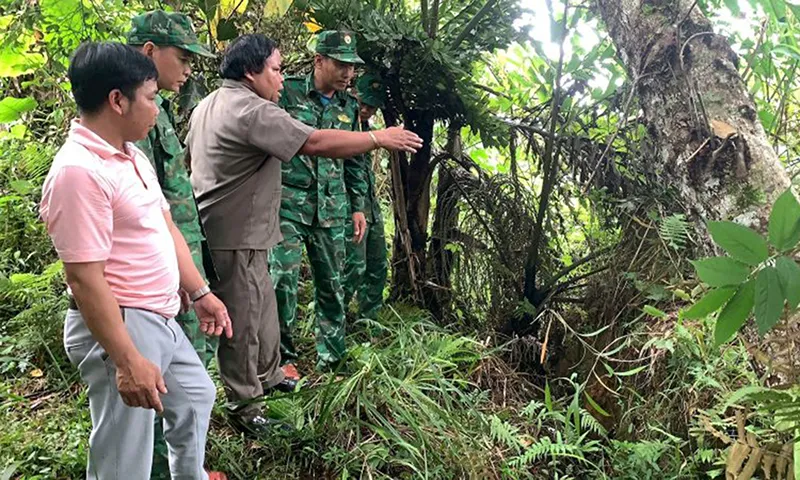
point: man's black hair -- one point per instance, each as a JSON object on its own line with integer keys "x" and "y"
{"x": 246, "y": 54}
{"x": 98, "y": 68}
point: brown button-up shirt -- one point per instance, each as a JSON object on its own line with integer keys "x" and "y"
{"x": 235, "y": 142}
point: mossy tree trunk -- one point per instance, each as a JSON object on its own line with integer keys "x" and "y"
{"x": 697, "y": 109}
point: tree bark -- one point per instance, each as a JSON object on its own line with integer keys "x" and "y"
{"x": 710, "y": 142}
{"x": 697, "y": 109}
{"x": 445, "y": 227}
{"x": 411, "y": 183}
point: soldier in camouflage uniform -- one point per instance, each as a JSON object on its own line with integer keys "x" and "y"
{"x": 365, "y": 265}
{"x": 319, "y": 196}
{"x": 169, "y": 40}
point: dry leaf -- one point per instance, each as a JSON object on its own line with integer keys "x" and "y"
{"x": 37, "y": 373}
{"x": 722, "y": 129}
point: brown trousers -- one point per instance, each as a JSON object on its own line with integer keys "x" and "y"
{"x": 252, "y": 355}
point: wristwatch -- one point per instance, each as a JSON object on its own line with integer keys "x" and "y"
{"x": 199, "y": 293}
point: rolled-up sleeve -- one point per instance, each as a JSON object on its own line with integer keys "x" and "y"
{"x": 275, "y": 132}
{"x": 77, "y": 209}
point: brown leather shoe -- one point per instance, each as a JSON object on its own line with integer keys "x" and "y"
{"x": 290, "y": 371}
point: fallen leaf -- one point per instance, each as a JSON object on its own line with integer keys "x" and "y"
{"x": 37, "y": 373}
{"x": 722, "y": 129}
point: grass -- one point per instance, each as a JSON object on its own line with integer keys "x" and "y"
{"x": 414, "y": 400}
{"x": 405, "y": 408}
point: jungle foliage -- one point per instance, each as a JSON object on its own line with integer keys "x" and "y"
{"x": 552, "y": 314}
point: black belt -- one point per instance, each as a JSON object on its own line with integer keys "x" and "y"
{"x": 73, "y": 305}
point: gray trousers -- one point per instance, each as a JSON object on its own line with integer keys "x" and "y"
{"x": 121, "y": 442}
{"x": 252, "y": 355}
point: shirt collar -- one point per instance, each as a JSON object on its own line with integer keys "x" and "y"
{"x": 237, "y": 84}
{"x": 95, "y": 144}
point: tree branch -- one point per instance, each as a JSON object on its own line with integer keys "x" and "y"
{"x": 567, "y": 270}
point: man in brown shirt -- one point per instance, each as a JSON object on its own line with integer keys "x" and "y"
{"x": 237, "y": 137}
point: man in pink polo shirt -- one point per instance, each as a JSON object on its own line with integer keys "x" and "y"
{"x": 125, "y": 262}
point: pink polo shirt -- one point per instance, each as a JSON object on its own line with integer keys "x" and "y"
{"x": 101, "y": 204}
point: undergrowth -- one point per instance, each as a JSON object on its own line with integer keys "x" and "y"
{"x": 414, "y": 400}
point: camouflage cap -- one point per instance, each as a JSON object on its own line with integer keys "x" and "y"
{"x": 370, "y": 90}
{"x": 338, "y": 45}
{"x": 166, "y": 29}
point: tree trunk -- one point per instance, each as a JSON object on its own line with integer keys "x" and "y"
{"x": 697, "y": 109}
{"x": 709, "y": 140}
{"x": 445, "y": 225}
{"x": 411, "y": 184}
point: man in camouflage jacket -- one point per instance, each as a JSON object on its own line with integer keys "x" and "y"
{"x": 365, "y": 265}
{"x": 319, "y": 196}
{"x": 169, "y": 40}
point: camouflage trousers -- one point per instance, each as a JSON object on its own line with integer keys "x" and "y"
{"x": 326, "y": 250}
{"x": 365, "y": 269}
{"x": 206, "y": 348}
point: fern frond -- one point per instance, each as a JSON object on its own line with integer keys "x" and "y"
{"x": 505, "y": 433}
{"x": 546, "y": 448}
{"x": 674, "y": 230}
{"x": 590, "y": 424}
{"x": 532, "y": 409}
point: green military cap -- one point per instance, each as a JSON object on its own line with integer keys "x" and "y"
{"x": 370, "y": 90}
{"x": 338, "y": 45}
{"x": 166, "y": 29}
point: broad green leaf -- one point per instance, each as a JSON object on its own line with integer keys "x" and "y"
{"x": 775, "y": 7}
{"x": 14, "y": 63}
{"x": 721, "y": 271}
{"x": 741, "y": 243}
{"x": 735, "y": 313}
{"x": 768, "y": 299}
{"x": 226, "y": 30}
{"x": 12, "y": 108}
{"x": 710, "y": 303}
{"x": 276, "y": 8}
{"x": 789, "y": 274}
{"x": 784, "y": 222}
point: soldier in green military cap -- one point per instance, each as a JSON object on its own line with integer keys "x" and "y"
{"x": 320, "y": 195}
{"x": 169, "y": 40}
{"x": 365, "y": 264}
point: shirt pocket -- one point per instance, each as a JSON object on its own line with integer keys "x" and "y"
{"x": 298, "y": 172}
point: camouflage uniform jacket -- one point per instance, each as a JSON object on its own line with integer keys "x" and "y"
{"x": 320, "y": 188}
{"x": 372, "y": 207}
{"x": 166, "y": 153}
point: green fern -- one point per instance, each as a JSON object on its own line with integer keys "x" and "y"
{"x": 674, "y": 230}
{"x": 590, "y": 424}
{"x": 533, "y": 409}
{"x": 505, "y": 433}
{"x": 546, "y": 448}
